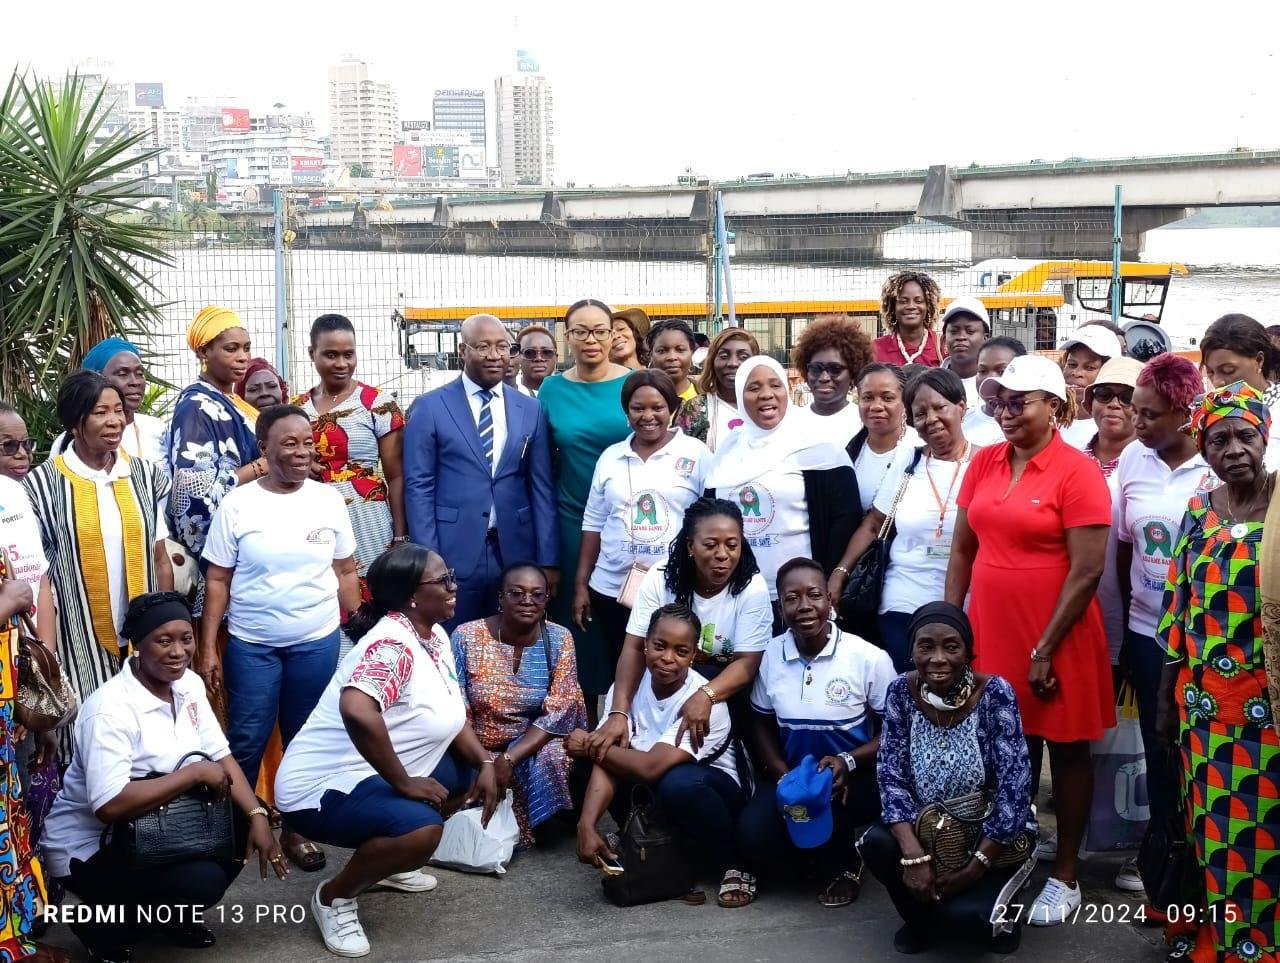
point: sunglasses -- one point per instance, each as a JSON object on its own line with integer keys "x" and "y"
{"x": 449, "y": 580}
{"x": 11, "y": 446}
{"x": 1015, "y": 406}
{"x": 833, "y": 369}
{"x": 538, "y": 354}
{"x": 537, "y": 596}
{"x": 1107, "y": 394}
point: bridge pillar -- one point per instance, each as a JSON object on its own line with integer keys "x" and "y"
{"x": 1083, "y": 233}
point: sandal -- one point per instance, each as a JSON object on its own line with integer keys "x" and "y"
{"x": 852, "y": 881}
{"x": 306, "y": 855}
{"x": 737, "y": 889}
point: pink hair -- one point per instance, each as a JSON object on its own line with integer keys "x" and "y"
{"x": 1173, "y": 376}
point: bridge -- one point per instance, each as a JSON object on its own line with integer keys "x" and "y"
{"x": 1027, "y": 210}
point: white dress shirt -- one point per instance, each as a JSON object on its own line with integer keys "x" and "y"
{"x": 498, "y": 411}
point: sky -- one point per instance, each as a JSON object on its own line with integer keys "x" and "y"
{"x": 645, "y": 91}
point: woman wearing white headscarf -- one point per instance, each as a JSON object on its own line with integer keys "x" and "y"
{"x": 792, "y": 486}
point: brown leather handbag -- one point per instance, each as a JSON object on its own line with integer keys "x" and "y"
{"x": 950, "y": 831}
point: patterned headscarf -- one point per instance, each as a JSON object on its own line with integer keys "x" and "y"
{"x": 1236, "y": 400}
{"x": 262, "y": 364}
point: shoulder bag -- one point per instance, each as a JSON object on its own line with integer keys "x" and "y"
{"x": 950, "y": 831}
{"x": 45, "y": 699}
{"x": 860, "y": 601}
{"x": 192, "y": 825}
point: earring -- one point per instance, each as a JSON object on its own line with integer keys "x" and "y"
{"x": 412, "y": 604}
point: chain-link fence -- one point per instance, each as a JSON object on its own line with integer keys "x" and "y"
{"x": 407, "y": 271}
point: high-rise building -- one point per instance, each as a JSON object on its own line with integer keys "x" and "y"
{"x": 363, "y": 117}
{"x": 460, "y": 110}
{"x": 526, "y": 128}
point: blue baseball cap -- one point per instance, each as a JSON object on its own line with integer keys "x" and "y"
{"x": 804, "y": 799}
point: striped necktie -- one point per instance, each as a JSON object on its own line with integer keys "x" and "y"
{"x": 486, "y": 424}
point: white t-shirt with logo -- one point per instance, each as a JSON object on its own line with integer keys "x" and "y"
{"x": 638, "y": 506}
{"x": 918, "y": 556}
{"x": 775, "y": 519}
{"x": 655, "y": 720}
{"x": 20, "y": 535}
{"x": 1151, "y": 500}
{"x": 282, "y": 547}
{"x": 731, "y": 624}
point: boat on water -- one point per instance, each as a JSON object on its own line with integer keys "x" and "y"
{"x": 1039, "y": 302}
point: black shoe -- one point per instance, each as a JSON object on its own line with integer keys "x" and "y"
{"x": 909, "y": 941}
{"x": 190, "y": 936}
{"x": 102, "y": 955}
{"x": 1007, "y": 942}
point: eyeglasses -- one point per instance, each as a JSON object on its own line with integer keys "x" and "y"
{"x": 537, "y": 597}
{"x": 589, "y": 334}
{"x": 1107, "y": 394}
{"x": 449, "y": 580}
{"x": 538, "y": 354}
{"x": 833, "y": 369}
{"x": 1016, "y": 406}
{"x": 11, "y": 446}
{"x": 500, "y": 348}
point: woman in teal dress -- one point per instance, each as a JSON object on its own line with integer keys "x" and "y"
{"x": 584, "y": 407}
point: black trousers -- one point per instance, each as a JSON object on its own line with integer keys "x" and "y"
{"x": 611, "y": 618}
{"x": 163, "y": 894}
{"x": 966, "y": 916}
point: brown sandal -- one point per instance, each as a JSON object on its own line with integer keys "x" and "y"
{"x": 828, "y": 900}
{"x": 306, "y": 855}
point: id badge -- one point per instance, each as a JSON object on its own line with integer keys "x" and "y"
{"x": 938, "y": 548}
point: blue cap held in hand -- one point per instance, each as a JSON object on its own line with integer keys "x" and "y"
{"x": 804, "y": 799}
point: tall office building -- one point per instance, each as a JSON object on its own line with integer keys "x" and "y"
{"x": 526, "y": 128}
{"x": 460, "y": 110}
{"x": 363, "y": 116}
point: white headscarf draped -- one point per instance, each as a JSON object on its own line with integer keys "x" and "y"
{"x": 794, "y": 443}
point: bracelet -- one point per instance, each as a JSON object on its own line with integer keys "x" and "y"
{"x": 487, "y": 762}
{"x": 707, "y": 691}
{"x": 258, "y": 811}
{"x": 398, "y": 539}
{"x": 620, "y": 712}
{"x": 849, "y": 762}
{"x": 1037, "y": 657}
{"x": 982, "y": 857}
{"x": 841, "y": 568}
{"x": 918, "y": 861}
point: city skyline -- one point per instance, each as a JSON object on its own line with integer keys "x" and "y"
{"x": 639, "y": 98}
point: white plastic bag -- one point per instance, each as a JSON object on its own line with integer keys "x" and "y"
{"x": 471, "y": 848}
{"x": 1120, "y": 809}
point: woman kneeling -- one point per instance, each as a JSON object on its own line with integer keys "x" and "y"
{"x": 144, "y": 720}
{"x": 377, "y": 747}
{"x": 949, "y": 732}
{"x": 696, "y": 791}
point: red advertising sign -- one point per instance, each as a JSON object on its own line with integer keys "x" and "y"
{"x": 308, "y": 163}
{"x": 407, "y": 161}
{"x": 235, "y": 120}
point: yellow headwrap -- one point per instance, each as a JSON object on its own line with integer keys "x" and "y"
{"x": 209, "y": 323}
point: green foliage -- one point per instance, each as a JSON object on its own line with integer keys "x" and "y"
{"x": 360, "y": 170}
{"x": 72, "y": 264}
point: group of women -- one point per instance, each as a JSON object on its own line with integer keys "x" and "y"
{"x": 709, "y": 527}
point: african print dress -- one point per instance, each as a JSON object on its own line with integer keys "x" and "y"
{"x": 1230, "y": 750}
{"x": 22, "y": 892}
{"x": 502, "y": 705}
{"x": 347, "y": 439}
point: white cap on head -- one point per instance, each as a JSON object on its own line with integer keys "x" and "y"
{"x": 1097, "y": 339}
{"x": 1028, "y": 372}
{"x": 967, "y": 305}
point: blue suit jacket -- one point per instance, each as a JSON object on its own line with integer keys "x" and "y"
{"x": 448, "y": 490}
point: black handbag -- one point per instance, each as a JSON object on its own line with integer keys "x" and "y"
{"x": 860, "y": 600}
{"x": 192, "y": 825}
{"x": 1167, "y": 863}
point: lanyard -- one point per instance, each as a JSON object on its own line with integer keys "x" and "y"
{"x": 943, "y": 502}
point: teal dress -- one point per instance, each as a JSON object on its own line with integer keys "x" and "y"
{"x": 586, "y": 418}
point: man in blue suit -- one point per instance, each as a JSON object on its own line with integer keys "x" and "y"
{"x": 477, "y": 473}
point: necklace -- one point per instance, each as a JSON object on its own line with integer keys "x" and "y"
{"x": 911, "y": 358}
{"x": 1241, "y": 528}
{"x": 955, "y": 475}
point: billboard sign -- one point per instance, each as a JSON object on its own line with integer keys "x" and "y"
{"x": 307, "y": 171}
{"x": 527, "y": 63}
{"x": 440, "y": 162}
{"x": 235, "y": 120}
{"x": 415, "y": 125}
{"x": 441, "y": 138}
{"x": 471, "y": 163}
{"x": 406, "y": 161}
{"x": 148, "y": 95}
{"x": 474, "y": 92}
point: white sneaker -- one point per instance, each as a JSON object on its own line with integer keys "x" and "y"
{"x": 1055, "y": 904}
{"x": 339, "y": 926}
{"x": 1128, "y": 880}
{"x": 1047, "y": 848}
{"x": 414, "y": 881}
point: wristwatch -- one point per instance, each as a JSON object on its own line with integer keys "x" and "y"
{"x": 707, "y": 691}
{"x": 850, "y": 763}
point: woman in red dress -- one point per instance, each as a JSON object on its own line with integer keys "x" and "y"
{"x": 1029, "y": 544}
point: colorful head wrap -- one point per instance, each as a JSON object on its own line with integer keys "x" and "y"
{"x": 209, "y": 323}
{"x": 105, "y": 350}
{"x": 262, "y": 364}
{"x": 1236, "y": 400}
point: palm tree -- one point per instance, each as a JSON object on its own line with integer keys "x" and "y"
{"x": 156, "y": 214}
{"x": 73, "y": 267}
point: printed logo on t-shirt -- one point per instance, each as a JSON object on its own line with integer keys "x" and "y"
{"x": 838, "y": 692}
{"x": 320, "y": 536}
{"x": 757, "y": 506}
{"x": 650, "y": 516}
{"x": 1154, "y": 547}
{"x": 193, "y": 713}
{"x": 1157, "y": 540}
{"x": 685, "y": 466}
{"x": 712, "y": 644}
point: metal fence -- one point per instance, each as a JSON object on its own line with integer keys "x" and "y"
{"x": 405, "y": 283}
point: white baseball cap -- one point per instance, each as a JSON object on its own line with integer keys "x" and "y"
{"x": 1028, "y": 372}
{"x": 967, "y": 305}
{"x": 1097, "y": 339}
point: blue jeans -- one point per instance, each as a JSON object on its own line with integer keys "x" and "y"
{"x": 893, "y": 639}
{"x": 1145, "y": 657}
{"x": 270, "y": 683}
